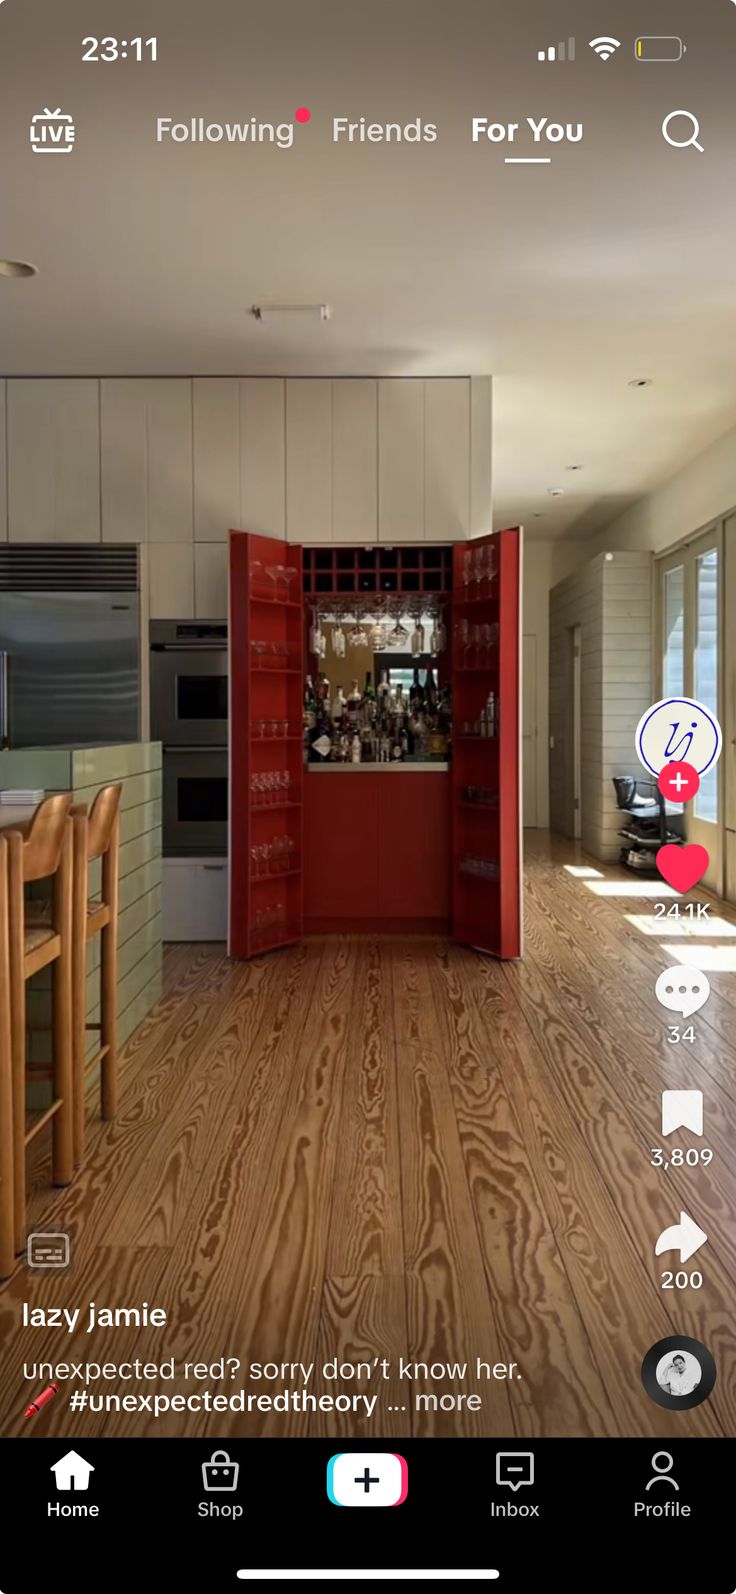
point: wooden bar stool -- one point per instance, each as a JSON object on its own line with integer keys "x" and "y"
{"x": 96, "y": 836}
{"x": 43, "y": 852}
{"x": 7, "y": 1232}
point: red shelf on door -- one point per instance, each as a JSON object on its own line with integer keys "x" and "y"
{"x": 488, "y": 919}
{"x": 264, "y": 693}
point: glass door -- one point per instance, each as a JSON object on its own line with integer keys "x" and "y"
{"x": 690, "y": 666}
{"x": 486, "y": 787}
{"x": 266, "y": 641}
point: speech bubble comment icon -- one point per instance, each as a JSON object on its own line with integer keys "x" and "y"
{"x": 682, "y": 990}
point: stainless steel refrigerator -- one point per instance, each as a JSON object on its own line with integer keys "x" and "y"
{"x": 69, "y": 668}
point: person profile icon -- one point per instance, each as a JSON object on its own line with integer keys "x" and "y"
{"x": 662, "y": 1464}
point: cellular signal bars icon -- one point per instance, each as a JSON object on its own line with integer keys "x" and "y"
{"x": 558, "y": 52}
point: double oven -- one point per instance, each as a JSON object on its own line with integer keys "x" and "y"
{"x": 189, "y": 715}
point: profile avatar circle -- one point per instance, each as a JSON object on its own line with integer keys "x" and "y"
{"x": 678, "y": 1373}
{"x": 678, "y": 730}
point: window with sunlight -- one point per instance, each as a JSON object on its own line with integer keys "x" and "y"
{"x": 706, "y": 664}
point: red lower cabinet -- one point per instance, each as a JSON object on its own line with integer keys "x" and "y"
{"x": 377, "y": 850}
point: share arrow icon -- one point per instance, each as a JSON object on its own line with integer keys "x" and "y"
{"x": 684, "y": 1237}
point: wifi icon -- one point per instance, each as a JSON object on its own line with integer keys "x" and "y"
{"x": 605, "y": 48}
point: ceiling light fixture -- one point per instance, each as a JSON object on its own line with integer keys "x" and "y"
{"x": 641, "y": 381}
{"x": 556, "y": 492}
{"x": 264, "y": 312}
{"x": 573, "y": 467}
{"x": 17, "y": 268}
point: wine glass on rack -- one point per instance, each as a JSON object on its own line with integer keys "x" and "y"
{"x": 256, "y": 575}
{"x": 317, "y": 640}
{"x": 338, "y": 636}
{"x": 467, "y": 570}
{"x": 398, "y": 636}
{"x": 358, "y": 636}
{"x": 290, "y": 575}
{"x": 438, "y": 639}
{"x": 417, "y": 635}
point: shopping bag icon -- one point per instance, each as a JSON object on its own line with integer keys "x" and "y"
{"x": 220, "y": 1474}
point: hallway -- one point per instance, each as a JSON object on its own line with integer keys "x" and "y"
{"x": 367, "y": 1148}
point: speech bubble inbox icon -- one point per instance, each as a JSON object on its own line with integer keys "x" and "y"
{"x": 682, "y": 1109}
{"x": 685, "y": 1237}
{"x": 514, "y": 1469}
{"x": 682, "y": 990}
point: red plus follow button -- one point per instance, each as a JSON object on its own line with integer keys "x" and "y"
{"x": 678, "y": 782}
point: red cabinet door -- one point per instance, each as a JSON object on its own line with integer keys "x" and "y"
{"x": 266, "y": 641}
{"x": 486, "y": 861}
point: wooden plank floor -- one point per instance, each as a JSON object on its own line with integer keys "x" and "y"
{"x": 381, "y": 1148}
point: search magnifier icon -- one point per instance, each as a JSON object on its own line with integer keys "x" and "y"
{"x": 693, "y": 135}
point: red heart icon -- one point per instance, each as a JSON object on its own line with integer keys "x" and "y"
{"x": 683, "y": 867}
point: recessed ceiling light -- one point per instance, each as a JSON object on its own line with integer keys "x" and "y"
{"x": 641, "y": 381}
{"x": 573, "y": 467}
{"x": 17, "y": 268}
{"x": 556, "y": 492}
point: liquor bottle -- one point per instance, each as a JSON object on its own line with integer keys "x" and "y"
{"x": 353, "y": 705}
{"x": 338, "y": 704}
{"x": 355, "y": 749}
{"x": 383, "y": 687}
{"x": 492, "y": 714}
{"x": 415, "y": 690}
{"x": 369, "y": 695}
{"x": 310, "y": 701}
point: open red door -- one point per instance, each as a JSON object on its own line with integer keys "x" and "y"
{"x": 266, "y": 639}
{"x": 486, "y": 862}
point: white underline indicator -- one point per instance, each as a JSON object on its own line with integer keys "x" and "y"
{"x": 528, "y": 160}
{"x": 368, "y": 1576}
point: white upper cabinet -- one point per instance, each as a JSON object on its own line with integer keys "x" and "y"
{"x": 446, "y": 459}
{"x": 401, "y": 460}
{"x": 262, "y": 428}
{"x": 171, "y": 581}
{"x": 147, "y": 493}
{"x": 309, "y": 460}
{"x": 481, "y": 456}
{"x": 53, "y": 431}
{"x": 355, "y": 461}
{"x": 216, "y": 435}
{"x": 239, "y": 457}
{"x": 3, "y": 471}
{"x": 211, "y": 580}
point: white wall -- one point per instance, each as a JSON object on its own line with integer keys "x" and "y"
{"x": 611, "y": 603}
{"x": 545, "y": 563}
{"x": 701, "y": 491}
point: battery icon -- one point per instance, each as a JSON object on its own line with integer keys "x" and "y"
{"x": 659, "y": 47}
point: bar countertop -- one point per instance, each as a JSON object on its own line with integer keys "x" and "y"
{"x": 434, "y": 767}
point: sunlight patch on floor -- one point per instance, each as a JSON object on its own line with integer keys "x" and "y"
{"x": 648, "y": 925}
{"x": 720, "y": 959}
{"x": 582, "y": 871}
{"x": 630, "y": 888}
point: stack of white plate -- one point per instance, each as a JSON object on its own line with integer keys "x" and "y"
{"x": 21, "y": 797}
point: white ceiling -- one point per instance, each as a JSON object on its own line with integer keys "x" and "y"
{"x": 564, "y": 281}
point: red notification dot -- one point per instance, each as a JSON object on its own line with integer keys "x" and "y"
{"x": 678, "y": 782}
{"x": 302, "y": 115}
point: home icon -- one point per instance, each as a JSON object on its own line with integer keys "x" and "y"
{"x": 72, "y": 1472}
